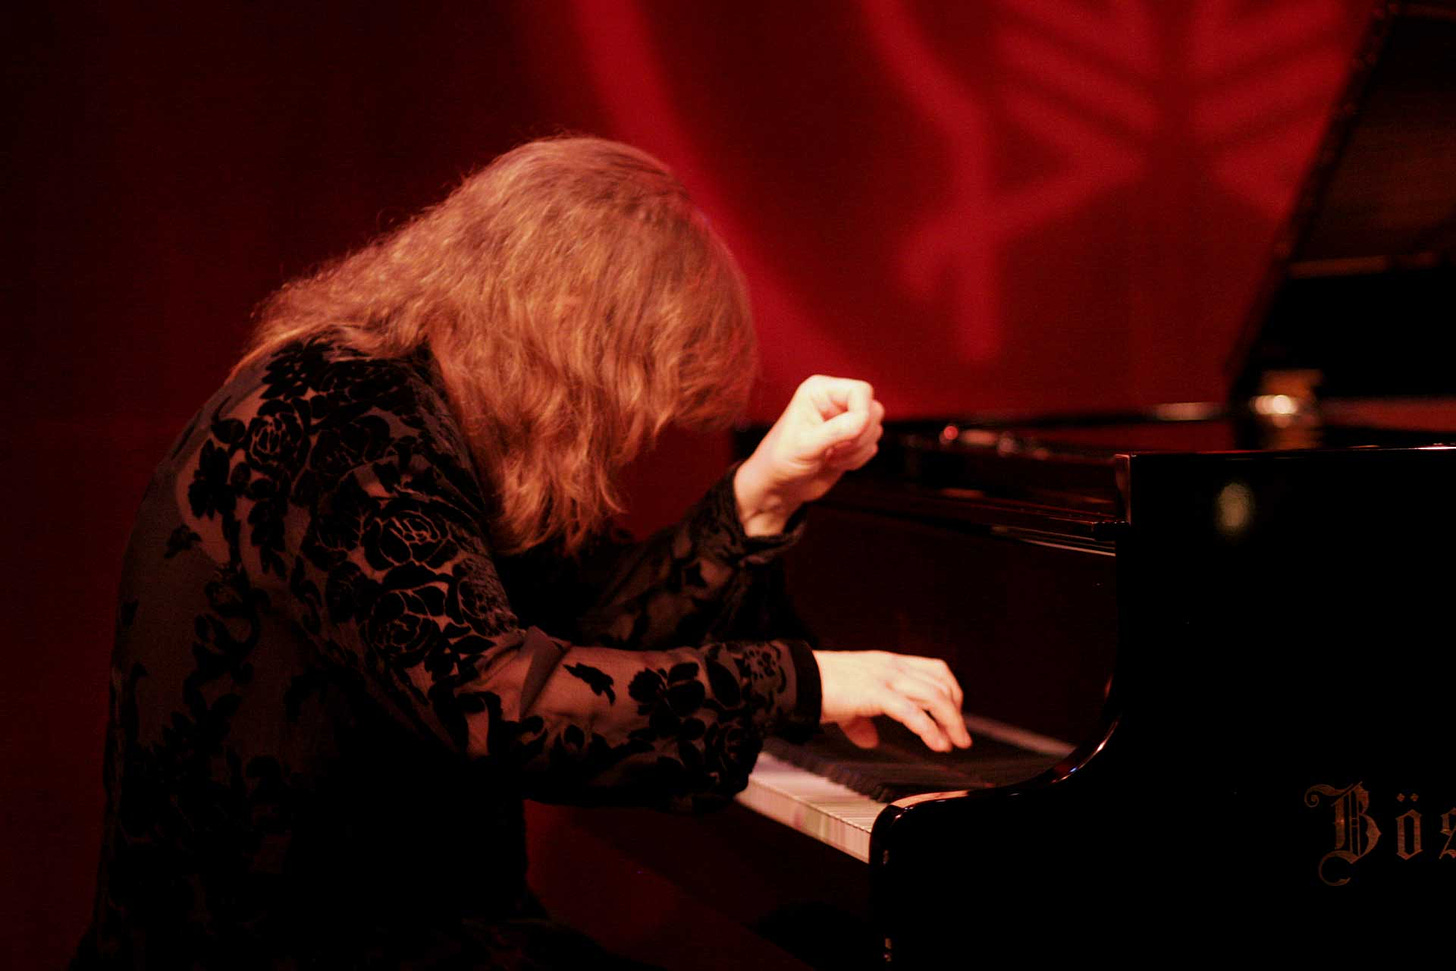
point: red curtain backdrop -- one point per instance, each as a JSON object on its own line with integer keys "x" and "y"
{"x": 1018, "y": 204}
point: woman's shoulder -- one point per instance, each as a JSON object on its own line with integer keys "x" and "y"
{"x": 300, "y": 427}
{"x": 342, "y": 397}
{"x": 322, "y": 384}
{"x": 337, "y": 376}
{"x": 317, "y": 404}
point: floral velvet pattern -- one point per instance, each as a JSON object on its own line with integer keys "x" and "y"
{"x": 329, "y": 697}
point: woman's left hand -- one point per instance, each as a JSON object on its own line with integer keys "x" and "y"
{"x": 831, "y": 425}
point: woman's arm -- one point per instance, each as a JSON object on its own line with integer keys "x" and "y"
{"x": 410, "y": 594}
{"x": 342, "y": 492}
{"x": 407, "y": 592}
{"x": 692, "y": 580}
{"x": 360, "y": 503}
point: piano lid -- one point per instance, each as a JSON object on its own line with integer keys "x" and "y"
{"x": 1349, "y": 340}
{"x": 1362, "y": 287}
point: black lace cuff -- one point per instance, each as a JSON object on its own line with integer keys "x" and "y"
{"x": 721, "y": 531}
{"x": 803, "y": 721}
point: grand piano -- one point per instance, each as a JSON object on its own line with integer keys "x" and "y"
{"x": 1206, "y": 647}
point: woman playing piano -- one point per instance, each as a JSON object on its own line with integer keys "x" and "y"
{"x": 370, "y": 602}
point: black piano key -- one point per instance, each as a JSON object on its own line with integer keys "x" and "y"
{"x": 901, "y": 765}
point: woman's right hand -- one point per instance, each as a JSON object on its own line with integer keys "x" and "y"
{"x": 919, "y": 692}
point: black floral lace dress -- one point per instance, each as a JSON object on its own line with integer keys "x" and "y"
{"x": 329, "y": 698}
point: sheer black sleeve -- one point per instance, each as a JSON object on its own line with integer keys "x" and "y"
{"x": 699, "y": 580}
{"x": 370, "y": 519}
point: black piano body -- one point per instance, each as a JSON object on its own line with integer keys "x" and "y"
{"x": 1259, "y": 684}
{"x": 1236, "y": 614}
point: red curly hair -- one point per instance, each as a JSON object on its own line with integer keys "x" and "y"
{"x": 575, "y": 301}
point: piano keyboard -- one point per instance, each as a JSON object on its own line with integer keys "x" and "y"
{"x": 818, "y": 803}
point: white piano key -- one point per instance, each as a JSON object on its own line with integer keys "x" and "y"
{"x": 810, "y": 804}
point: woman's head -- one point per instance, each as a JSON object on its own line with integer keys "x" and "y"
{"x": 575, "y": 302}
